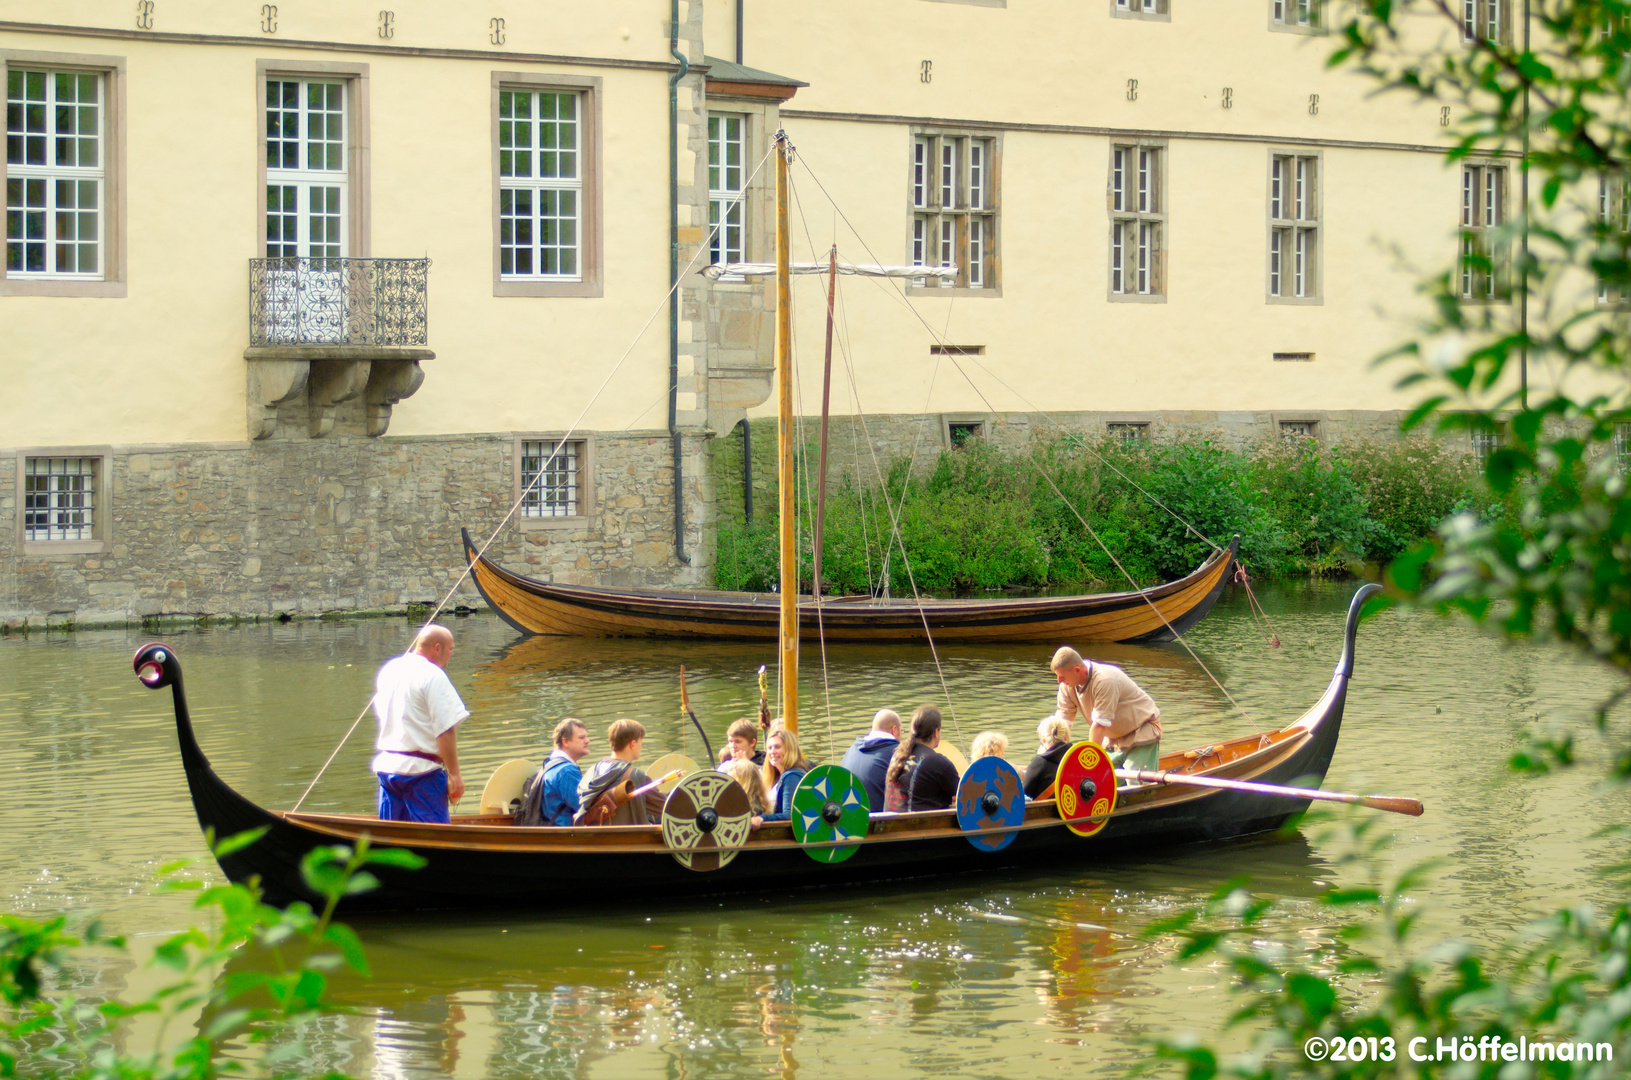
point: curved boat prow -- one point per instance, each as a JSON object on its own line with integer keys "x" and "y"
{"x": 1326, "y": 715}
{"x": 1345, "y": 666}
{"x": 219, "y": 808}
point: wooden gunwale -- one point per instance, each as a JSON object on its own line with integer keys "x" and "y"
{"x": 493, "y": 835}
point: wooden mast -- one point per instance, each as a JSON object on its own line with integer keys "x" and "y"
{"x": 787, "y": 637}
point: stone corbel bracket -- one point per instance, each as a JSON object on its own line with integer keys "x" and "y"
{"x": 326, "y": 376}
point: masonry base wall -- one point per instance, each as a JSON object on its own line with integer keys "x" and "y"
{"x": 345, "y": 524}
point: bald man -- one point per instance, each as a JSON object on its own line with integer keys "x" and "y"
{"x": 418, "y": 711}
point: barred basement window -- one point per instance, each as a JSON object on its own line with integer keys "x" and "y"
{"x": 1622, "y": 446}
{"x": 551, "y": 479}
{"x": 954, "y": 208}
{"x": 59, "y": 499}
{"x": 1299, "y": 429}
{"x": 1483, "y": 212}
{"x": 1128, "y": 432}
{"x": 1137, "y": 221}
{"x": 1484, "y": 443}
{"x": 1294, "y": 220}
{"x": 725, "y": 210}
{"x": 55, "y": 172}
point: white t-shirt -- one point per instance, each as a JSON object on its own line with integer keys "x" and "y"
{"x": 415, "y": 702}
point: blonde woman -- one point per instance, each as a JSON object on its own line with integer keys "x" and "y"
{"x": 746, "y": 773}
{"x": 988, "y": 744}
{"x": 1053, "y": 735}
{"x": 785, "y": 766}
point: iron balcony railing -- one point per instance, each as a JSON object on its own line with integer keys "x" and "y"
{"x": 376, "y": 302}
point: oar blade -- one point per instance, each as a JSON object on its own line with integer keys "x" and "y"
{"x": 1413, "y": 807}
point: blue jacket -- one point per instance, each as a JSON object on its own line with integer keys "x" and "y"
{"x": 781, "y": 796}
{"x": 560, "y": 796}
{"x": 868, "y": 759}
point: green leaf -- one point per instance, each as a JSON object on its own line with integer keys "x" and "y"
{"x": 238, "y": 842}
{"x": 350, "y": 947}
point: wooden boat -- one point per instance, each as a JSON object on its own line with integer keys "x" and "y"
{"x": 1153, "y": 614}
{"x": 487, "y": 861}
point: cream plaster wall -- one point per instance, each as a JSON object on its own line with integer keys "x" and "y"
{"x": 165, "y": 362}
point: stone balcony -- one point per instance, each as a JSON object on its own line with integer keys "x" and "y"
{"x": 333, "y": 337}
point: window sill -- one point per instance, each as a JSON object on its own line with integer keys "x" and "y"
{"x": 990, "y": 292}
{"x": 548, "y": 524}
{"x": 1137, "y": 298}
{"x": 1295, "y": 301}
{"x": 523, "y": 287}
{"x": 64, "y": 547}
{"x": 1304, "y": 31}
{"x": 15, "y": 286}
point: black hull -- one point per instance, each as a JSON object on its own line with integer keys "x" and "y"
{"x": 472, "y": 877}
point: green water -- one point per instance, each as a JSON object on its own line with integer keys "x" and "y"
{"x": 1041, "y": 975}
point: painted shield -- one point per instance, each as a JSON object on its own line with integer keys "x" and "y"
{"x": 1087, "y": 787}
{"x": 990, "y": 796}
{"x": 830, "y": 804}
{"x": 706, "y": 820}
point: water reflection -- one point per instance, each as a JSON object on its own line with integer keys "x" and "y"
{"x": 985, "y": 976}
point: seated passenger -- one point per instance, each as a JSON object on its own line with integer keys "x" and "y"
{"x": 743, "y": 742}
{"x": 551, "y": 796}
{"x": 868, "y": 757}
{"x": 918, "y": 777}
{"x": 603, "y": 793}
{"x": 753, "y": 782}
{"x": 1054, "y": 733}
{"x": 785, "y": 765}
{"x": 988, "y": 744}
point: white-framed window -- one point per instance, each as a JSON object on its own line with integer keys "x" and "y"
{"x": 1300, "y": 15}
{"x": 1483, "y": 212}
{"x": 59, "y": 498}
{"x": 55, "y": 174}
{"x": 1484, "y": 443}
{"x": 1483, "y": 20}
{"x": 1614, "y": 232}
{"x": 1136, "y": 9}
{"x": 540, "y": 182}
{"x": 1137, "y": 220}
{"x": 1294, "y": 226}
{"x": 551, "y": 478}
{"x": 727, "y": 208}
{"x": 954, "y": 207}
{"x": 307, "y": 172}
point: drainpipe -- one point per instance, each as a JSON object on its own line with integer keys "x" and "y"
{"x": 673, "y": 275}
{"x": 747, "y": 472}
{"x": 739, "y": 30}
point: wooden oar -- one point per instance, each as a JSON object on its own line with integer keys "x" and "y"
{"x": 1394, "y": 805}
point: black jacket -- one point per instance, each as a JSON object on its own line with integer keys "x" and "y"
{"x": 1042, "y": 769}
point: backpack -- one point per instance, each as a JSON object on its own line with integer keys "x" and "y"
{"x": 531, "y": 808}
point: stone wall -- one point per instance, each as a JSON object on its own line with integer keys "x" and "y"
{"x": 344, "y": 524}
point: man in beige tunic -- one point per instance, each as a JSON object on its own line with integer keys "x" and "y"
{"x": 1125, "y": 720}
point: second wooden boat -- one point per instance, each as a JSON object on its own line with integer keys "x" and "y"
{"x": 1153, "y": 614}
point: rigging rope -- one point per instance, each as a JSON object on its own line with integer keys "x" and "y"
{"x": 543, "y": 470}
{"x": 1178, "y": 637}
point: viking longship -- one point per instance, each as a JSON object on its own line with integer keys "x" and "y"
{"x": 705, "y": 844}
{"x": 1146, "y": 615}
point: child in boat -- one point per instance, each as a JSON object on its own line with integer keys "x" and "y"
{"x": 744, "y": 772}
{"x": 1054, "y": 735}
{"x": 743, "y": 742}
{"x": 919, "y": 778}
{"x": 988, "y": 744}
{"x": 602, "y": 793}
{"x": 785, "y": 765}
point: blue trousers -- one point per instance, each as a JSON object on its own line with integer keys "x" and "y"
{"x": 416, "y": 797}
